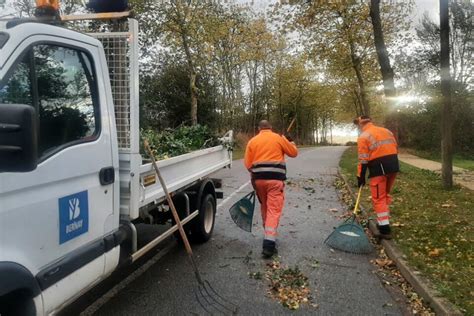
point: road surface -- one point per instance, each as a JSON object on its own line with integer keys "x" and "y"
{"x": 342, "y": 284}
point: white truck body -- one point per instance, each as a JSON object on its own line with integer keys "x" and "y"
{"x": 64, "y": 223}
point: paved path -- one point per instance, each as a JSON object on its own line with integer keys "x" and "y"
{"x": 343, "y": 284}
{"x": 461, "y": 176}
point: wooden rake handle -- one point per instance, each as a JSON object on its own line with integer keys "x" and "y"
{"x": 173, "y": 210}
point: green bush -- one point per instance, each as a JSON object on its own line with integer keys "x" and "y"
{"x": 174, "y": 142}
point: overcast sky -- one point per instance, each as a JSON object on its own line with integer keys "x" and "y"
{"x": 431, "y": 6}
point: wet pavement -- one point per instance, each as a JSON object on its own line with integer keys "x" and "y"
{"x": 341, "y": 284}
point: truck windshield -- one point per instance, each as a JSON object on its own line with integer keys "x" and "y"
{"x": 60, "y": 84}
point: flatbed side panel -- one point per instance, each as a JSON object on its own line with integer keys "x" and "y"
{"x": 181, "y": 171}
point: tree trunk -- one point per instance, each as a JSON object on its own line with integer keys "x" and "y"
{"x": 446, "y": 118}
{"x": 360, "y": 80}
{"x": 330, "y": 129}
{"x": 194, "y": 99}
{"x": 189, "y": 58}
{"x": 316, "y": 128}
{"x": 382, "y": 55}
{"x": 358, "y": 103}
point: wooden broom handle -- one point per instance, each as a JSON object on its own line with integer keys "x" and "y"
{"x": 356, "y": 207}
{"x": 291, "y": 125}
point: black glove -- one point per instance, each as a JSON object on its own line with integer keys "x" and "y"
{"x": 361, "y": 178}
{"x": 290, "y": 139}
{"x": 360, "y": 181}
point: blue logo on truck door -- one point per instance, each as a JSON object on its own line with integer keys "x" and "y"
{"x": 73, "y": 216}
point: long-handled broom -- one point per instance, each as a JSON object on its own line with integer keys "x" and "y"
{"x": 350, "y": 235}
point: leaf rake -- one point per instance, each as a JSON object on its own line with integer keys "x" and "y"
{"x": 207, "y": 297}
{"x": 350, "y": 235}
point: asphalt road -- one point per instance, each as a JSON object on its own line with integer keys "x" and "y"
{"x": 342, "y": 284}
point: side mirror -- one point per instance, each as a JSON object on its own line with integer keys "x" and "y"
{"x": 18, "y": 138}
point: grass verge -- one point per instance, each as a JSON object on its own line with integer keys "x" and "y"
{"x": 458, "y": 160}
{"x": 434, "y": 228}
{"x": 238, "y": 153}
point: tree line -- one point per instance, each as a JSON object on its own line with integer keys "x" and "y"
{"x": 228, "y": 66}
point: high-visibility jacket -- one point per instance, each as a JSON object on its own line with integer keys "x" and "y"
{"x": 265, "y": 155}
{"x": 377, "y": 149}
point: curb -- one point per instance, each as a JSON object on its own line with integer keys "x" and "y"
{"x": 422, "y": 286}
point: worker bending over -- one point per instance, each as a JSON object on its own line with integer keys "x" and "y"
{"x": 378, "y": 152}
{"x": 265, "y": 160}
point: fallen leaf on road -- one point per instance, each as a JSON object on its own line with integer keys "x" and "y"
{"x": 288, "y": 285}
{"x": 255, "y": 275}
{"x": 333, "y": 209}
{"x": 383, "y": 262}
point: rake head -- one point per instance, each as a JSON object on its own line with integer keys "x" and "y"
{"x": 212, "y": 302}
{"x": 349, "y": 237}
{"x": 242, "y": 212}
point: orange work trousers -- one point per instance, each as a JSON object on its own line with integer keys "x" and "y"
{"x": 380, "y": 188}
{"x": 272, "y": 198}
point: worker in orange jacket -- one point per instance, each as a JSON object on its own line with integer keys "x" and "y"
{"x": 265, "y": 160}
{"x": 378, "y": 152}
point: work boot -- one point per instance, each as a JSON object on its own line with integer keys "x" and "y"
{"x": 269, "y": 248}
{"x": 385, "y": 232}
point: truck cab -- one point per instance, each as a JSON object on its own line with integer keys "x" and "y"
{"x": 73, "y": 184}
{"x": 59, "y": 161}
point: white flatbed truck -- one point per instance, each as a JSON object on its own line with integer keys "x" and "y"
{"x": 73, "y": 184}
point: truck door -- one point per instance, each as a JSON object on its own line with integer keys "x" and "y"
{"x": 53, "y": 218}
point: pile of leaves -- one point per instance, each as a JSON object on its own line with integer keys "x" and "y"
{"x": 391, "y": 277}
{"x": 174, "y": 142}
{"x": 287, "y": 285}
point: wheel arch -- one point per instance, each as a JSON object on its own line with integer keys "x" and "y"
{"x": 15, "y": 277}
{"x": 207, "y": 187}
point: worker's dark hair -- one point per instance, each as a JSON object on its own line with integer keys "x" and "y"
{"x": 362, "y": 119}
{"x": 264, "y": 124}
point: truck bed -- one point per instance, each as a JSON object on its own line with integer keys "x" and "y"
{"x": 178, "y": 172}
{"x": 138, "y": 184}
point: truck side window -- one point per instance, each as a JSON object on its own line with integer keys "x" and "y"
{"x": 60, "y": 83}
{"x": 66, "y": 97}
{"x": 17, "y": 89}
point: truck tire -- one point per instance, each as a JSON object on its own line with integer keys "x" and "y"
{"x": 203, "y": 227}
{"x": 17, "y": 304}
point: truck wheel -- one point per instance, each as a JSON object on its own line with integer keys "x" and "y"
{"x": 17, "y": 304}
{"x": 204, "y": 225}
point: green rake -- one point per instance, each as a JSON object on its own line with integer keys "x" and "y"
{"x": 242, "y": 212}
{"x": 350, "y": 235}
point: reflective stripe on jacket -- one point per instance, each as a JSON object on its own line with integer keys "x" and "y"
{"x": 378, "y": 149}
{"x": 265, "y": 155}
